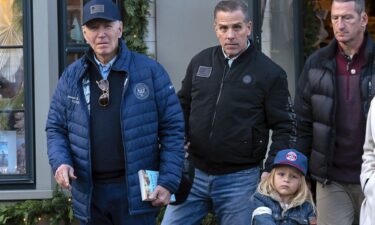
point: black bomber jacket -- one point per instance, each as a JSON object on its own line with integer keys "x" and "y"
{"x": 229, "y": 111}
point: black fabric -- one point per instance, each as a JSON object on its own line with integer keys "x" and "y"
{"x": 229, "y": 111}
{"x": 187, "y": 179}
{"x": 107, "y": 151}
{"x": 316, "y": 105}
{"x": 350, "y": 120}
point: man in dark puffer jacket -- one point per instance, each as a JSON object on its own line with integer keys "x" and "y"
{"x": 114, "y": 112}
{"x": 332, "y": 100}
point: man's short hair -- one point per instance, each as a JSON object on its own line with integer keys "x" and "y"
{"x": 230, "y": 6}
{"x": 360, "y": 5}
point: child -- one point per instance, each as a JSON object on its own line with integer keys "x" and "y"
{"x": 284, "y": 197}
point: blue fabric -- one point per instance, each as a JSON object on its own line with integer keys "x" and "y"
{"x": 151, "y": 121}
{"x": 298, "y": 215}
{"x": 292, "y": 158}
{"x": 100, "y": 9}
{"x": 109, "y": 207}
{"x": 228, "y": 196}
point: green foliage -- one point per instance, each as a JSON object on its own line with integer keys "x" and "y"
{"x": 210, "y": 219}
{"x": 15, "y": 103}
{"x": 55, "y": 210}
{"x": 310, "y": 28}
{"x": 30, "y": 212}
{"x": 135, "y": 24}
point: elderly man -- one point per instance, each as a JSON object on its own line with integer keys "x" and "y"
{"x": 114, "y": 112}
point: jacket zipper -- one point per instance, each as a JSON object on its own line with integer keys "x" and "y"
{"x": 122, "y": 128}
{"x": 89, "y": 153}
{"x": 370, "y": 88}
{"x": 83, "y": 99}
{"x": 218, "y": 98}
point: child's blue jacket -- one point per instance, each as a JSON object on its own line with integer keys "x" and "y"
{"x": 268, "y": 211}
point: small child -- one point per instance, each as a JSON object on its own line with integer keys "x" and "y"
{"x": 284, "y": 197}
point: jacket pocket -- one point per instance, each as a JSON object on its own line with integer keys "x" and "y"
{"x": 259, "y": 142}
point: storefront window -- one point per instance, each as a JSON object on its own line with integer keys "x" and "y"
{"x": 13, "y": 152}
{"x": 278, "y": 39}
{"x": 73, "y": 22}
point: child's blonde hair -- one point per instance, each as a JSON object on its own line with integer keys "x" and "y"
{"x": 267, "y": 187}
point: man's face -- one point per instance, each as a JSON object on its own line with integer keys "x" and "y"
{"x": 102, "y": 36}
{"x": 348, "y": 25}
{"x": 232, "y": 31}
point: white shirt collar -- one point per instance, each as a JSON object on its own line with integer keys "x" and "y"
{"x": 230, "y": 60}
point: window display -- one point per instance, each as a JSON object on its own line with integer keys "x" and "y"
{"x": 12, "y": 127}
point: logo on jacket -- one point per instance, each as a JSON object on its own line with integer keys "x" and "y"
{"x": 74, "y": 99}
{"x": 141, "y": 91}
{"x": 246, "y": 79}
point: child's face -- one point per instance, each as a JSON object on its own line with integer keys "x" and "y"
{"x": 287, "y": 181}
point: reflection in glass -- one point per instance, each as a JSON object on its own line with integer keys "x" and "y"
{"x": 277, "y": 34}
{"x": 11, "y": 23}
{"x": 71, "y": 57}
{"x": 73, "y": 22}
{"x": 12, "y": 126}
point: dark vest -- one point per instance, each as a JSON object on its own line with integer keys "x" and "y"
{"x": 107, "y": 150}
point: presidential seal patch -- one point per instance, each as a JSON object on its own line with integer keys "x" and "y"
{"x": 141, "y": 91}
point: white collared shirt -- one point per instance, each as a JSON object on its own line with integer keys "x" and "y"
{"x": 230, "y": 60}
{"x": 105, "y": 69}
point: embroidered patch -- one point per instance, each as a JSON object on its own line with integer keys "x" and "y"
{"x": 74, "y": 100}
{"x": 313, "y": 220}
{"x": 141, "y": 91}
{"x": 96, "y": 9}
{"x": 291, "y": 156}
{"x": 246, "y": 79}
{"x": 204, "y": 71}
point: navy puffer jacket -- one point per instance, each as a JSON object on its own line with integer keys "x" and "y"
{"x": 152, "y": 128}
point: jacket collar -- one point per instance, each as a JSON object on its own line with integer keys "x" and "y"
{"x": 327, "y": 54}
{"x": 122, "y": 62}
{"x": 248, "y": 51}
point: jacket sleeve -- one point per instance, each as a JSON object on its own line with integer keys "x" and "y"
{"x": 302, "y": 105}
{"x": 262, "y": 214}
{"x": 312, "y": 215}
{"x": 57, "y": 132}
{"x": 184, "y": 95}
{"x": 368, "y": 157}
{"x": 171, "y": 131}
{"x": 280, "y": 117}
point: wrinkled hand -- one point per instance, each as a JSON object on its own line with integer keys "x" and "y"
{"x": 63, "y": 174}
{"x": 264, "y": 175}
{"x": 161, "y": 196}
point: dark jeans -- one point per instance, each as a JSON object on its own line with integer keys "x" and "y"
{"x": 109, "y": 206}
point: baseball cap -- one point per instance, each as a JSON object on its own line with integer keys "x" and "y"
{"x": 100, "y": 9}
{"x": 291, "y": 157}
